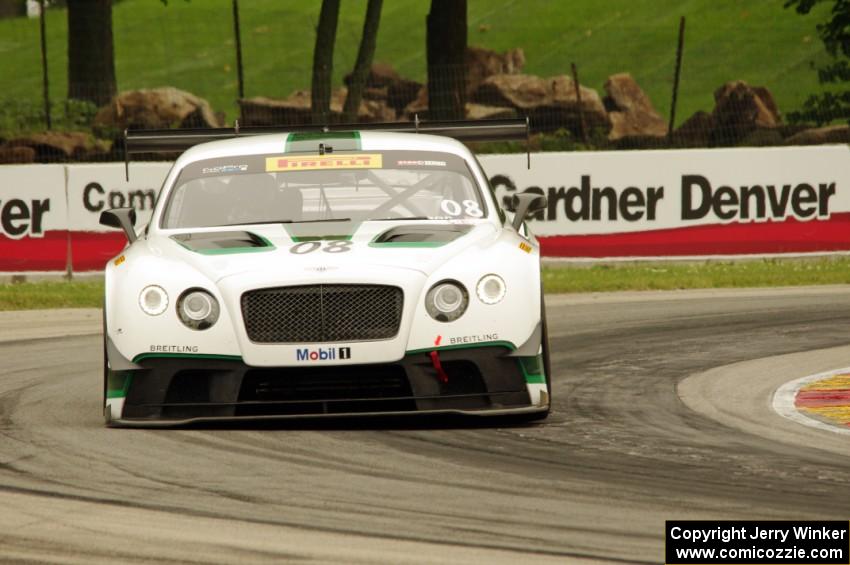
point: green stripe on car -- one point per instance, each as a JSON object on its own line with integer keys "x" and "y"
{"x": 532, "y": 369}
{"x": 309, "y": 141}
{"x": 143, "y": 356}
{"x": 505, "y": 344}
{"x": 118, "y": 384}
{"x": 300, "y": 233}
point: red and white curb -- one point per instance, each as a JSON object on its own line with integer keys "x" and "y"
{"x": 796, "y": 398}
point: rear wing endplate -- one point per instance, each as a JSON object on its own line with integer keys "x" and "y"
{"x": 179, "y": 140}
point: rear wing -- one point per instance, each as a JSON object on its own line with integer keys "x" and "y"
{"x": 179, "y": 140}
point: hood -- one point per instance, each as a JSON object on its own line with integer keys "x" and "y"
{"x": 302, "y": 250}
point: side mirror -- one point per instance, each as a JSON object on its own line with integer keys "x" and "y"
{"x": 526, "y": 203}
{"x": 124, "y": 218}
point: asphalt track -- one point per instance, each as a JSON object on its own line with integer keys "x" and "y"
{"x": 661, "y": 412}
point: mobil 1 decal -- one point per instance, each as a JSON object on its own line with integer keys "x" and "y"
{"x": 625, "y": 191}
{"x": 312, "y": 354}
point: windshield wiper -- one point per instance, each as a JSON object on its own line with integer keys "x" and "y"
{"x": 398, "y": 218}
{"x": 255, "y": 223}
{"x": 286, "y": 222}
{"x": 322, "y": 220}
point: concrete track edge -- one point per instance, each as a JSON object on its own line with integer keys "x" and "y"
{"x": 741, "y": 396}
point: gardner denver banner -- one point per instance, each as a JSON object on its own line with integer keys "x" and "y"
{"x": 608, "y": 204}
{"x": 685, "y": 202}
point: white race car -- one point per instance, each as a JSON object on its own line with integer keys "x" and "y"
{"x": 324, "y": 273}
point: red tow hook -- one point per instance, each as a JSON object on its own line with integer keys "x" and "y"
{"x": 435, "y": 360}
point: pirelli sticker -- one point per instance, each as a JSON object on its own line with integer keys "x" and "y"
{"x": 320, "y": 162}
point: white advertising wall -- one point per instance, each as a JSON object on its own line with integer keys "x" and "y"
{"x": 694, "y": 202}
{"x": 669, "y": 203}
{"x": 33, "y": 218}
{"x": 94, "y": 188}
{"x": 627, "y": 191}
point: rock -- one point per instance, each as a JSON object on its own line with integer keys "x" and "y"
{"x": 60, "y": 146}
{"x": 630, "y": 110}
{"x": 381, "y": 75}
{"x": 375, "y": 111}
{"x": 523, "y": 92}
{"x": 384, "y": 83}
{"x": 641, "y": 142}
{"x": 821, "y": 136}
{"x": 787, "y": 130}
{"x": 695, "y": 131}
{"x": 742, "y": 114}
{"x": 370, "y": 111}
{"x": 739, "y": 109}
{"x": 16, "y": 155}
{"x": 550, "y": 103}
{"x": 402, "y": 93}
{"x": 474, "y": 111}
{"x": 295, "y": 110}
{"x": 155, "y": 109}
{"x": 419, "y": 106}
{"x": 763, "y": 137}
{"x": 262, "y": 111}
{"x": 375, "y": 93}
{"x": 565, "y": 104}
{"x": 481, "y": 112}
{"x": 481, "y": 63}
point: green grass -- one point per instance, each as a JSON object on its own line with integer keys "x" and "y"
{"x": 713, "y": 274}
{"x": 51, "y": 294}
{"x": 190, "y": 45}
{"x": 556, "y": 279}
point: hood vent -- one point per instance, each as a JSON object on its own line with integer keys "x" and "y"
{"x": 420, "y": 235}
{"x": 221, "y": 242}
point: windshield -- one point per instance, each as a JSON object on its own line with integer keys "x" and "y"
{"x": 309, "y": 188}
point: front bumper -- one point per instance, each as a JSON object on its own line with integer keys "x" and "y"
{"x": 180, "y": 389}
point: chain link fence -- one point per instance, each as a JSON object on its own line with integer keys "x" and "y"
{"x": 190, "y": 64}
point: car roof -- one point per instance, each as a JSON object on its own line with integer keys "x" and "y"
{"x": 277, "y": 143}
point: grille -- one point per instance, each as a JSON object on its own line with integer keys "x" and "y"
{"x": 326, "y": 383}
{"x": 322, "y": 313}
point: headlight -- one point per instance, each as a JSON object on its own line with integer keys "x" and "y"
{"x": 491, "y": 289}
{"x": 153, "y": 300}
{"x": 446, "y": 301}
{"x": 197, "y": 309}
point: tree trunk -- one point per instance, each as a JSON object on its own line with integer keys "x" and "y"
{"x": 323, "y": 56}
{"x": 446, "y": 46}
{"x": 91, "y": 63}
{"x": 364, "y": 60}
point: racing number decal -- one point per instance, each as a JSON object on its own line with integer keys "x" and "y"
{"x": 306, "y": 247}
{"x": 468, "y": 208}
{"x": 337, "y": 247}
